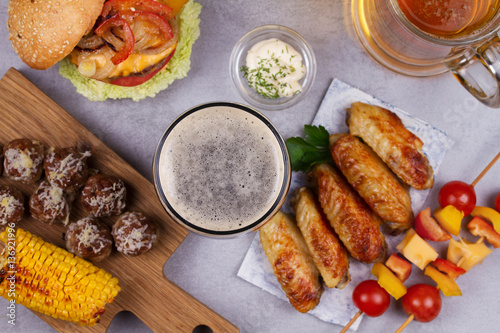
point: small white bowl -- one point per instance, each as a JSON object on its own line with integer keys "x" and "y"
{"x": 238, "y": 60}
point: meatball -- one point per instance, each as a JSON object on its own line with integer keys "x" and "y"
{"x": 49, "y": 204}
{"x": 11, "y": 205}
{"x": 134, "y": 233}
{"x": 66, "y": 168}
{"x": 104, "y": 195}
{"x": 90, "y": 239}
{"x": 23, "y": 160}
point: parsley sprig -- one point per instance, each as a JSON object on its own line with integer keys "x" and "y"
{"x": 310, "y": 150}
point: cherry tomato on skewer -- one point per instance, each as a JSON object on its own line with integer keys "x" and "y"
{"x": 458, "y": 194}
{"x": 423, "y": 301}
{"x": 497, "y": 203}
{"x": 371, "y": 298}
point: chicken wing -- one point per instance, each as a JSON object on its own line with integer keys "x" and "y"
{"x": 327, "y": 251}
{"x": 373, "y": 180}
{"x": 291, "y": 261}
{"x": 357, "y": 226}
{"x": 384, "y": 132}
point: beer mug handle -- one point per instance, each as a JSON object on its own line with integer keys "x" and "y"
{"x": 478, "y": 70}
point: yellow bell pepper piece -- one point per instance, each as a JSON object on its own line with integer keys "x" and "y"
{"x": 176, "y": 5}
{"x": 416, "y": 250}
{"x": 444, "y": 283}
{"x": 388, "y": 281}
{"x": 489, "y": 214}
{"x": 467, "y": 255}
{"x": 449, "y": 218}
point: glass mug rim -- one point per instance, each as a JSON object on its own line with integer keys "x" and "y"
{"x": 489, "y": 29}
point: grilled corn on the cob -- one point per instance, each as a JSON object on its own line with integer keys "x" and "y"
{"x": 52, "y": 281}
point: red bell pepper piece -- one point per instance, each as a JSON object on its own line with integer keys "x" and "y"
{"x": 399, "y": 266}
{"x": 129, "y": 39}
{"x": 479, "y": 227}
{"x": 427, "y": 227}
{"x": 446, "y": 266}
{"x": 114, "y": 6}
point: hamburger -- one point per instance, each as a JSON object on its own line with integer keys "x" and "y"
{"x": 108, "y": 49}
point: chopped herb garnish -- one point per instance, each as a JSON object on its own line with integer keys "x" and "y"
{"x": 267, "y": 77}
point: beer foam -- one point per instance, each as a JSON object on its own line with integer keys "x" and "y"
{"x": 221, "y": 168}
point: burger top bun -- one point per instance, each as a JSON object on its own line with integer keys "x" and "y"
{"x": 43, "y": 32}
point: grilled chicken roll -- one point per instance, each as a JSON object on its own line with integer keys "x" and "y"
{"x": 291, "y": 261}
{"x": 357, "y": 226}
{"x": 373, "y": 180}
{"x": 384, "y": 132}
{"x": 326, "y": 249}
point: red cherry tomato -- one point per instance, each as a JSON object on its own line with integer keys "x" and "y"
{"x": 371, "y": 298}
{"x": 423, "y": 301}
{"x": 497, "y": 203}
{"x": 458, "y": 194}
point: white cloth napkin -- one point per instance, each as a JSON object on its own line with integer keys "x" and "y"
{"x": 336, "y": 305}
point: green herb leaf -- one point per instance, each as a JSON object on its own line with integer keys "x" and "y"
{"x": 317, "y": 135}
{"x": 310, "y": 150}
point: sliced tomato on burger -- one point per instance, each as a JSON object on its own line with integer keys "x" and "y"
{"x": 137, "y": 79}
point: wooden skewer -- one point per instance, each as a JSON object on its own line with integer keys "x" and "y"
{"x": 353, "y": 319}
{"x": 488, "y": 167}
{"x": 461, "y": 261}
{"x": 406, "y": 323}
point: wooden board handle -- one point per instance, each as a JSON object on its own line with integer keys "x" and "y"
{"x": 180, "y": 309}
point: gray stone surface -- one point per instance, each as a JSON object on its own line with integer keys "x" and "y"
{"x": 206, "y": 268}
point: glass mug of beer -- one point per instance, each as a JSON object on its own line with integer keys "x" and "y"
{"x": 430, "y": 37}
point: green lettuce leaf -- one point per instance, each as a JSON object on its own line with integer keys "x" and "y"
{"x": 177, "y": 68}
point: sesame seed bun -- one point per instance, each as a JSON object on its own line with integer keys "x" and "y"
{"x": 43, "y": 32}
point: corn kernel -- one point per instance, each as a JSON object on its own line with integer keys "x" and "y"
{"x": 48, "y": 262}
{"x": 69, "y": 280}
{"x": 88, "y": 292}
{"x": 62, "y": 278}
{"x": 38, "y": 266}
{"x": 57, "y": 286}
{"x": 92, "y": 284}
{"x": 24, "y": 261}
{"x": 38, "y": 245}
{"x": 113, "y": 282}
{"x": 85, "y": 281}
{"x": 31, "y": 263}
{"x": 100, "y": 303}
{"x": 73, "y": 270}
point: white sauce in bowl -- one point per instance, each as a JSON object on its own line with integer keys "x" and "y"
{"x": 274, "y": 69}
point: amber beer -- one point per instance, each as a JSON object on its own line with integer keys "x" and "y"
{"x": 449, "y": 18}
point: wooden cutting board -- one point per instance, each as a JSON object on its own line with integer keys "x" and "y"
{"x": 164, "y": 307}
